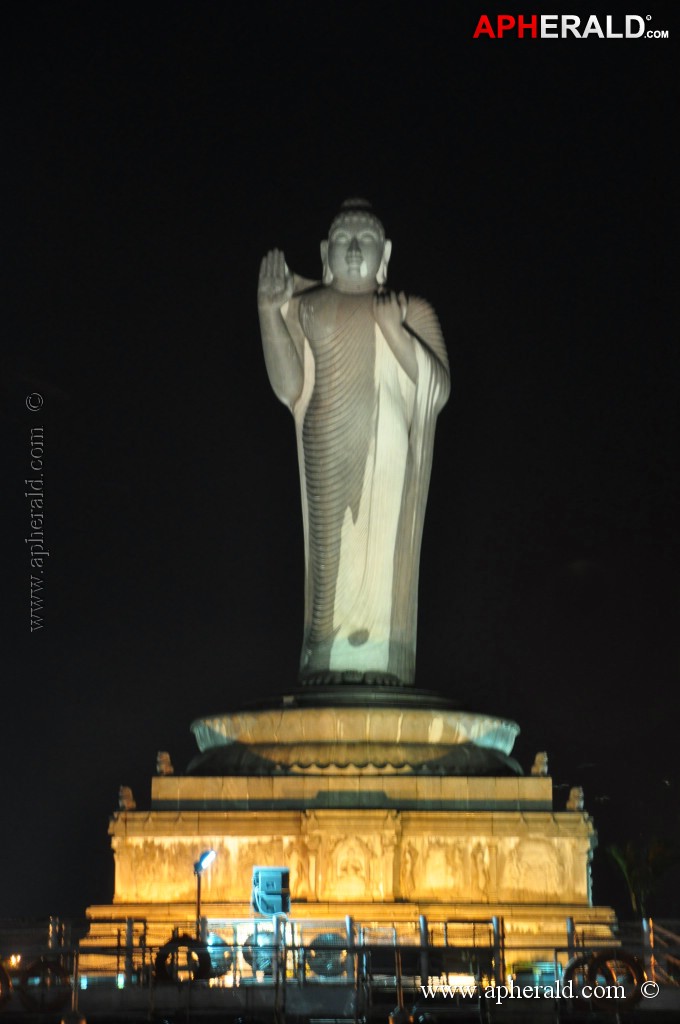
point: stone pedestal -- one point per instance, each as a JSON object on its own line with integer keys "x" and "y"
{"x": 383, "y": 812}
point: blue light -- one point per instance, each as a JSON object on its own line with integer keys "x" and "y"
{"x": 204, "y": 860}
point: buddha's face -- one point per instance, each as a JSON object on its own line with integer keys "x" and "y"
{"x": 355, "y": 252}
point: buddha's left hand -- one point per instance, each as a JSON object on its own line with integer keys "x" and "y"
{"x": 389, "y": 311}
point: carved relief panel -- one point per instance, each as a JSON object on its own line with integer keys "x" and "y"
{"x": 439, "y": 868}
{"x": 538, "y": 868}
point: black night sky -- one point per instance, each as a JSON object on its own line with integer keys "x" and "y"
{"x": 154, "y": 153}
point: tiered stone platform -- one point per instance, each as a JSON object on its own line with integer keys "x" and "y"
{"x": 385, "y": 805}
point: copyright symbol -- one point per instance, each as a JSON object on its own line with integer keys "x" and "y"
{"x": 649, "y": 990}
{"x": 34, "y": 401}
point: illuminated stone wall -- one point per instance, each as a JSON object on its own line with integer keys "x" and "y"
{"x": 381, "y": 848}
{"x": 345, "y": 856}
{"x": 452, "y": 848}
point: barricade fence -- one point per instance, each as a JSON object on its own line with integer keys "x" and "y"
{"x": 420, "y": 958}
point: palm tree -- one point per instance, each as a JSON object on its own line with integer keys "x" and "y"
{"x": 642, "y": 864}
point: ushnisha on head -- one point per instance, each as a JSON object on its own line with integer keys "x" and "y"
{"x": 356, "y": 253}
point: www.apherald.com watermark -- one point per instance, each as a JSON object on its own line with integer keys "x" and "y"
{"x": 567, "y": 26}
{"x": 34, "y": 492}
{"x": 500, "y": 993}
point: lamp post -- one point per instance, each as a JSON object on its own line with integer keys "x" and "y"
{"x": 206, "y": 858}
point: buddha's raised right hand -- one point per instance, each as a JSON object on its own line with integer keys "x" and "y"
{"x": 275, "y": 285}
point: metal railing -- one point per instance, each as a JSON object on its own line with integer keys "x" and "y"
{"x": 283, "y": 964}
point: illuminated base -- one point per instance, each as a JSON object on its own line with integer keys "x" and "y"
{"x": 370, "y": 811}
{"x": 498, "y": 849}
{"x": 447, "y": 839}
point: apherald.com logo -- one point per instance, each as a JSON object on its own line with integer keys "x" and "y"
{"x": 567, "y": 26}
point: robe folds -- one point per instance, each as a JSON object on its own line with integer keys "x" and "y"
{"x": 365, "y": 434}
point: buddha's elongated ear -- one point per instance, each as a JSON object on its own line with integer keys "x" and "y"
{"x": 381, "y": 276}
{"x": 327, "y": 272}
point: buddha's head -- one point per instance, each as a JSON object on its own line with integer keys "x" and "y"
{"x": 356, "y": 254}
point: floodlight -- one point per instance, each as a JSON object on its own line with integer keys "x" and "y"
{"x": 206, "y": 858}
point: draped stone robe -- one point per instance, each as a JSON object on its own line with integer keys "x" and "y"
{"x": 365, "y": 435}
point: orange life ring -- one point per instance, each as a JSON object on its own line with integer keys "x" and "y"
{"x": 634, "y": 970}
{"x": 197, "y": 960}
